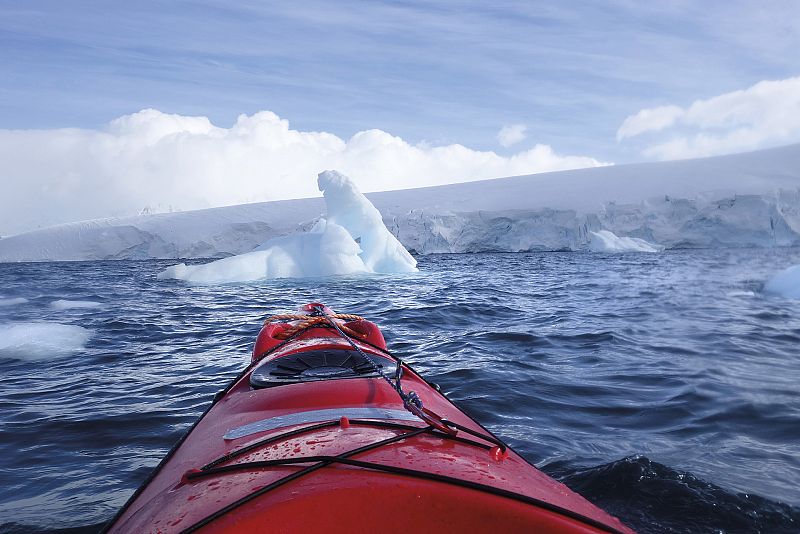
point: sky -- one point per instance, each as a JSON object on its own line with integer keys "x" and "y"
{"x": 398, "y": 94}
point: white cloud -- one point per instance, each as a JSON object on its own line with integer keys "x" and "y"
{"x": 649, "y": 120}
{"x": 766, "y": 114}
{"x": 511, "y": 134}
{"x": 152, "y": 159}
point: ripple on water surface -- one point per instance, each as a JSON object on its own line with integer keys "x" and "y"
{"x": 662, "y": 387}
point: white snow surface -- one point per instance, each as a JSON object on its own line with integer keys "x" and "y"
{"x": 741, "y": 200}
{"x": 41, "y": 340}
{"x": 605, "y": 241}
{"x": 351, "y": 238}
{"x": 786, "y": 283}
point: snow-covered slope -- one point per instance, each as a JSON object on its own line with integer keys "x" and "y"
{"x": 750, "y": 199}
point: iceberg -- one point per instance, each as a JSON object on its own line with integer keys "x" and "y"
{"x": 786, "y": 283}
{"x": 741, "y": 200}
{"x": 605, "y": 241}
{"x": 351, "y": 238}
{"x": 381, "y": 252}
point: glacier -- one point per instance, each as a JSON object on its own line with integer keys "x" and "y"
{"x": 741, "y": 200}
{"x": 350, "y": 238}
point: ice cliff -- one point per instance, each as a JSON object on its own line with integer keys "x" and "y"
{"x": 605, "y": 241}
{"x": 742, "y": 200}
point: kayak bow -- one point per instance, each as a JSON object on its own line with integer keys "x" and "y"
{"x": 326, "y": 430}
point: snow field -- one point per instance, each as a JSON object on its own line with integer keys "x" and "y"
{"x": 741, "y": 200}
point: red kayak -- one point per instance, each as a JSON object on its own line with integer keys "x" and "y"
{"x": 325, "y": 430}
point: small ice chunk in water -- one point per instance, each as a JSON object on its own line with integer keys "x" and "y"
{"x": 606, "y": 241}
{"x": 351, "y": 238}
{"x": 786, "y": 283}
{"x": 74, "y": 304}
{"x": 40, "y": 340}
{"x": 12, "y": 301}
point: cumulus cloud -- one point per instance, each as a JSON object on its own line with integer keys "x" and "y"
{"x": 766, "y": 114}
{"x": 159, "y": 161}
{"x": 511, "y": 134}
{"x": 649, "y": 120}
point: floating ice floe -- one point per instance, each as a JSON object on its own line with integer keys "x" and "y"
{"x": 12, "y": 302}
{"x": 786, "y": 283}
{"x": 74, "y": 304}
{"x": 606, "y": 241}
{"x": 351, "y": 238}
{"x": 40, "y": 340}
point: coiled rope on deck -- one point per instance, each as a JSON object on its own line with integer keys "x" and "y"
{"x": 319, "y": 317}
{"x": 309, "y": 321}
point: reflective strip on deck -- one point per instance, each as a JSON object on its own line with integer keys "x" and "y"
{"x": 317, "y": 416}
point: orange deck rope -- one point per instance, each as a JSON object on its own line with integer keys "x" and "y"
{"x": 309, "y": 321}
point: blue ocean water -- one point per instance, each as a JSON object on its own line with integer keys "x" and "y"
{"x": 664, "y": 387}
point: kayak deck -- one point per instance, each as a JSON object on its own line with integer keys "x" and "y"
{"x": 344, "y": 455}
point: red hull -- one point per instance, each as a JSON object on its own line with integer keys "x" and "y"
{"x": 429, "y": 480}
